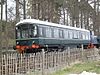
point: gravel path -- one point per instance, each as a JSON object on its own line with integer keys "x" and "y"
{"x": 85, "y": 73}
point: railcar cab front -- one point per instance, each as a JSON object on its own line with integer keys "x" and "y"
{"x": 24, "y": 36}
{"x": 26, "y": 31}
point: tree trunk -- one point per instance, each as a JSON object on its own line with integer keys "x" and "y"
{"x": 1, "y": 24}
{"x": 17, "y": 11}
{"x": 43, "y": 10}
{"x": 64, "y": 11}
{"x": 33, "y": 11}
{"x": 38, "y": 10}
{"x": 81, "y": 19}
{"x": 1, "y": 10}
{"x": 24, "y": 9}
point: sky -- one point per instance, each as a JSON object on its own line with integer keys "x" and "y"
{"x": 10, "y": 3}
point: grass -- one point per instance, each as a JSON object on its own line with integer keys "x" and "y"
{"x": 79, "y": 68}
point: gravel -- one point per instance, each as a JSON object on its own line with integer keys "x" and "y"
{"x": 85, "y": 73}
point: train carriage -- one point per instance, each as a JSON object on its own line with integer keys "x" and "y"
{"x": 32, "y": 35}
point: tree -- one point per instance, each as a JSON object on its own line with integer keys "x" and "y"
{"x": 17, "y": 11}
{"x": 44, "y": 10}
{"x": 2, "y": 2}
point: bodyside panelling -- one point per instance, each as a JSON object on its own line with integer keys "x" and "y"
{"x": 62, "y": 41}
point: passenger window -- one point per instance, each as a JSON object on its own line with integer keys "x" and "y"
{"x": 78, "y": 35}
{"x": 65, "y": 34}
{"x": 83, "y": 35}
{"x": 70, "y": 34}
{"x": 87, "y": 36}
{"x": 52, "y": 32}
{"x": 61, "y": 34}
{"x": 56, "y": 33}
{"x": 75, "y": 35}
{"x": 40, "y": 31}
{"x": 48, "y": 32}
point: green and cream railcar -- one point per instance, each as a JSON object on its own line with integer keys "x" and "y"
{"x": 32, "y": 35}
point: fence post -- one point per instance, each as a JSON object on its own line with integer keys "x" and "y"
{"x": 82, "y": 53}
{"x": 16, "y": 61}
{"x": 68, "y": 56}
{"x": 5, "y": 59}
{"x": 43, "y": 62}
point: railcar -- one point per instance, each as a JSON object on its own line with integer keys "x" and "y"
{"x": 97, "y": 41}
{"x": 32, "y": 35}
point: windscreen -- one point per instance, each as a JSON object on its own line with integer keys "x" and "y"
{"x": 26, "y": 31}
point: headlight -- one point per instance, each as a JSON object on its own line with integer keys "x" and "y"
{"x": 33, "y": 42}
{"x": 17, "y": 43}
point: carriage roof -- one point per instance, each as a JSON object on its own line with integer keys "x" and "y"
{"x": 32, "y": 21}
